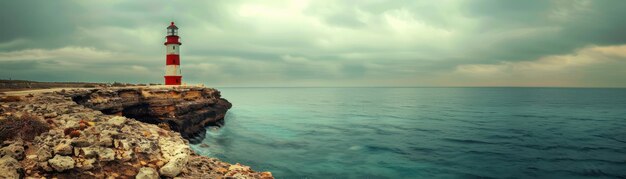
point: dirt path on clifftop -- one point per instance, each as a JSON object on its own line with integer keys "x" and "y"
{"x": 37, "y": 91}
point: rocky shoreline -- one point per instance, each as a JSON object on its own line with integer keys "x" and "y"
{"x": 131, "y": 132}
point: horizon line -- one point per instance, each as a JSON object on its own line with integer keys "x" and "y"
{"x": 433, "y": 86}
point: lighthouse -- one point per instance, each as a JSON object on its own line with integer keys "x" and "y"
{"x": 172, "y": 59}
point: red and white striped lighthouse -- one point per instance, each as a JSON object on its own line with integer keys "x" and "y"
{"x": 172, "y": 59}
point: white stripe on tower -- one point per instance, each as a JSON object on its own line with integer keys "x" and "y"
{"x": 173, "y": 49}
{"x": 172, "y": 70}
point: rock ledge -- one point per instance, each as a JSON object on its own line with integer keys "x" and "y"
{"x": 185, "y": 110}
{"x": 88, "y": 137}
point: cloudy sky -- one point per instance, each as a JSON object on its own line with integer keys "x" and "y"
{"x": 320, "y": 42}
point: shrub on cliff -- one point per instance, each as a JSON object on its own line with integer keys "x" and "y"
{"x": 26, "y": 127}
{"x": 118, "y": 84}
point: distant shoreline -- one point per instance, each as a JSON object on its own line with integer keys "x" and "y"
{"x": 24, "y": 85}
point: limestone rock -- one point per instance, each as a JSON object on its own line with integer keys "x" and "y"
{"x": 239, "y": 167}
{"x": 88, "y": 152}
{"x": 117, "y": 120}
{"x": 71, "y": 123}
{"x": 14, "y": 150}
{"x": 50, "y": 115}
{"x": 63, "y": 148}
{"x": 175, "y": 165}
{"x": 124, "y": 155}
{"x": 61, "y": 163}
{"x": 85, "y": 164}
{"x": 122, "y": 144}
{"x": 43, "y": 153}
{"x": 45, "y": 166}
{"x": 106, "y": 154}
{"x": 81, "y": 142}
{"x": 147, "y": 146}
{"x": 238, "y": 171}
{"x": 10, "y": 168}
{"x": 266, "y": 175}
{"x": 147, "y": 173}
{"x": 171, "y": 147}
{"x": 105, "y": 141}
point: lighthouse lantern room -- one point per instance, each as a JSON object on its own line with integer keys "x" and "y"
{"x": 172, "y": 60}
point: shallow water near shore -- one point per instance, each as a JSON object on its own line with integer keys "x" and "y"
{"x": 424, "y": 132}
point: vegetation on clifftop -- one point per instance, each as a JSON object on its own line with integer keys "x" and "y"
{"x": 25, "y": 127}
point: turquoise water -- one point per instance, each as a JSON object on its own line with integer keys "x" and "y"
{"x": 424, "y": 132}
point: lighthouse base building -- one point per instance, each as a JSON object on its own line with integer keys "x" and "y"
{"x": 173, "y": 74}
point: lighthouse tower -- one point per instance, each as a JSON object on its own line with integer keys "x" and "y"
{"x": 172, "y": 59}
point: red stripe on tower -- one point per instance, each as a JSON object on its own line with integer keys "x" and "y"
{"x": 172, "y": 57}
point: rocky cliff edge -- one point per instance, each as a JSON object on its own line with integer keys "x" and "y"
{"x": 112, "y": 133}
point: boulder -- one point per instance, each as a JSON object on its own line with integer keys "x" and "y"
{"x": 43, "y": 153}
{"x": 63, "y": 148}
{"x": 61, "y": 163}
{"x": 14, "y": 150}
{"x": 89, "y": 152}
{"x": 175, "y": 165}
{"x": 171, "y": 147}
{"x": 10, "y": 168}
{"x": 147, "y": 173}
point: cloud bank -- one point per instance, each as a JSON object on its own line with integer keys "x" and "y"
{"x": 320, "y": 43}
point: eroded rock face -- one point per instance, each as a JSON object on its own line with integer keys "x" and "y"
{"x": 87, "y": 143}
{"x": 185, "y": 110}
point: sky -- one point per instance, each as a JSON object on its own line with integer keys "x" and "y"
{"x": 553, "y": 43}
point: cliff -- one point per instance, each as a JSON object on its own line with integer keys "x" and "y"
{"x": 185, "y": 110}
{"x": 111, "y": 133}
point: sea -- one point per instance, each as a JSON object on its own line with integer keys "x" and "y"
{"x": 424, "y": 132}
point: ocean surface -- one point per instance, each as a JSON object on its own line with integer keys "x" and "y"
{"x": 424, "y": 132}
